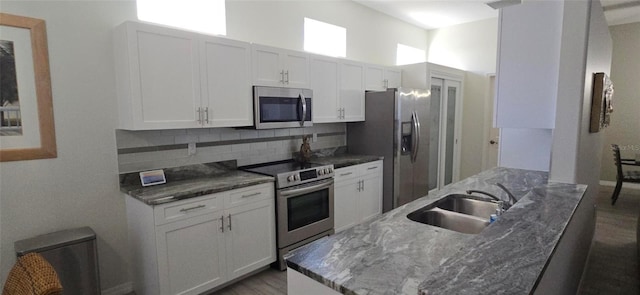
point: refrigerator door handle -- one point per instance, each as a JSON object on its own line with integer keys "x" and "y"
{"x": 416, "y": 136}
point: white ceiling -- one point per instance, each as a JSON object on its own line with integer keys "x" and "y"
{"x": 443, "y": 13}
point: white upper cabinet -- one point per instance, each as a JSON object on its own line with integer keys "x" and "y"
{"x": 324, "y": 83}
{"x": 393, "y": 77}
{"x": 278, "y": 67}
{"x": 379, "y": 78}
{"x": 158, "y": 77}
{"x": 169, "y": 78}
{"x": 352, "y": 90}
{"x": 338, "y": 89}
{"x": 226, "y": 85}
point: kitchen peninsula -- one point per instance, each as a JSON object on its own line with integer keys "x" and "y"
{"x": 394, "y": 255}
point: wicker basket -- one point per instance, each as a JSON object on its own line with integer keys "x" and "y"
{"x": 32, "y": 275}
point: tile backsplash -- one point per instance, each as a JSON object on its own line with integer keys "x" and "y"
{"x": 155, "y": 149}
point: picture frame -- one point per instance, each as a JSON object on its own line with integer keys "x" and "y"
{"x": 36, "y": 137}
{"x": 601, "y": 102}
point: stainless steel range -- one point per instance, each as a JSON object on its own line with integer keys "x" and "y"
{"x": 304, "y": 202}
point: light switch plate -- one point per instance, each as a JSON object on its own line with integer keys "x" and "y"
{"x": 192, "y": 149}
{"x": 315, "y": 137}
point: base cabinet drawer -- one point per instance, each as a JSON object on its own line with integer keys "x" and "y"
{"x": 209, "y": 241}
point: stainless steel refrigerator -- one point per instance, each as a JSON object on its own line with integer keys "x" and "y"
{"x": 397, "y": 127}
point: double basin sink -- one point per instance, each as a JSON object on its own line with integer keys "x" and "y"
{"x": 458, "y": 212}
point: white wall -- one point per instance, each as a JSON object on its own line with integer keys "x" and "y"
{"x": 471, "y": 47}
{"x": 625, "y": 74}
{"x": 586, "y": 49}
{"x": 80, "y": 186}
{"x": 371, "y": 35}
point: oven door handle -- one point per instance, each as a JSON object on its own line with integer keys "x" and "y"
{"x": 303, "y": 190}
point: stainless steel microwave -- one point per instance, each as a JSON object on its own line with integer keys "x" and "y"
{"x": 276, "y": 107}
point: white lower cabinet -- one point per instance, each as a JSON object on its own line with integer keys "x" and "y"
{"x": 191, "y": 246}
{"x": 357, "y": 194}
{"x": 190, "y": 255}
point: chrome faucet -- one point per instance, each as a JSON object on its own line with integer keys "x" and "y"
{"x": 507, "y": 205}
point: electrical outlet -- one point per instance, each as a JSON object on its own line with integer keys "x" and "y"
{"x": 192, "y": 149}
{"x": 315, "y": 137}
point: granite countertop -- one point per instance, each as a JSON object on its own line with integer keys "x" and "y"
{"x": 191, "y": 181}
{"x": 340, "y": 158}
{"x": 394, "y": 255}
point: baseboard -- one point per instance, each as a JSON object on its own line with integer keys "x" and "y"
{"x": 121, "y": 289}
{"x": 633, "y": 186}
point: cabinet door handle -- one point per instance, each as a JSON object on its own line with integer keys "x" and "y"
{"x": 282, "y": 76}
{"x": 362, "y": 184}
{"x": 251, "y": 195}
{"x": 184, "y": 210}
{"x": 345, "y": 174}
{"x": 287, "y": 75}
{"x": 222, "y": 223}
{"x": 199, "y": 111}
{"x": 229, "y": 221}
{"x": 339, "y": 113}
{"x": 206, "y": 117}
{"x": 371, "y": 168}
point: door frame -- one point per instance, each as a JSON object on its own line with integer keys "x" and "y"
{"x": 449, "y": 74}
{"x": 489, "y": 119}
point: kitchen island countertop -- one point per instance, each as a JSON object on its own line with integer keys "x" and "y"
{"x": 394, "y": 255}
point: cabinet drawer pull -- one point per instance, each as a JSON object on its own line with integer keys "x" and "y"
{"x": 184, "y": 210}
{"x": 222, "y": 223}
{"x": 251, "y": 195}
{"x": 229, "y": 221}
{"x": 345, "y": 174}
{"x": 371, "y": 168}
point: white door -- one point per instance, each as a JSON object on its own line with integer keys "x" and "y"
{"x": 296, "y": 66}
{"x": 352, "y": 91}
{"x": 491, "y": 143}
{"x": 166, "y": 79}
{"x": 226, "y": 81}
{"x": 250, "y": 235}
{"x": 191, "y": 255}
{"x": 374, "y": 78}
{"x": 446, "y": 95}
{"x": 345, "y": 204}
{"x": 370, "y": 201}
{"x": 324, "y": 83}
{"x": 267, "y": 66}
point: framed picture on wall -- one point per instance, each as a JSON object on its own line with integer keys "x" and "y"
{"x": 601, "y": 102}
{"x": 26, "y": 109}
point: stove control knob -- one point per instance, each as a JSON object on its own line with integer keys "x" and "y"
{"x": 326, "y": 171}
{"x": 290, "y": 178}
{"x": 330, "y": 170}
{"x": 320, "y": 171}
{"x": 296, "y": 177}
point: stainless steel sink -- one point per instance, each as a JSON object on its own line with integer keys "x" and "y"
{"x": 459, "y": 222}
{"x": 458, "y": 212}
{"x": 467, "y": 204}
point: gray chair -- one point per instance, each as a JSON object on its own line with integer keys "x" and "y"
{"x": 622, "y": 176}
